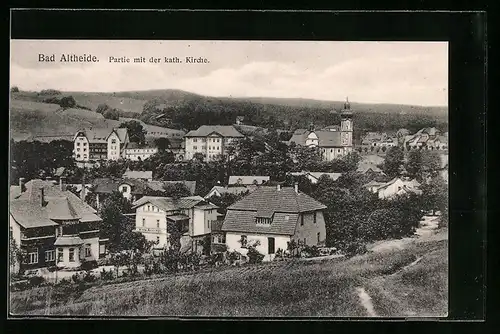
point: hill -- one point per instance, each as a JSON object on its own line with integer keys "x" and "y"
{"x": 187, "y": 111}
{"x": 28, "y": 118}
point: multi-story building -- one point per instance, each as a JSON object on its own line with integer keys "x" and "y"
{"x": 274, "y": 216}
{"x": 136, "y": 152}
{"x": 211, "y": 141}
{"x": 53, "y": 227}
{"x": 100, "y": 144}
{"x": 331, "y": 144}
{"x": 193, "y": 217}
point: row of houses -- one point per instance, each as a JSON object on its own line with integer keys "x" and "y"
{"x": 54, "y": 227}
{"x": 426, "y": 138}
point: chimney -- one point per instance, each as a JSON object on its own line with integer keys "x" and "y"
{"x": 42, "y": 196}
{"x": 21, "y": 183}
{"x": 278, "y": 187}
{"x": 62, "y": 184}
{"x": 296, "y": 187}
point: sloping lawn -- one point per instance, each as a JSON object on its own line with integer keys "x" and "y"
{"x": 298, "y": 288}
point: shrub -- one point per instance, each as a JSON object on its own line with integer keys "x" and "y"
{"x": 89, "y": 277}
{"x": 36, "y": 281}
{"x": 107, "y": 275}
{"x": 354, "y": 248}
{"x": 88, "y": 265}
{"x": 310, "y": 251}
{"x": 254, "y": 256}
{"x": 14, "y": 89}
{"x": 49, "y": 92}
{"x": 67, "y": 102}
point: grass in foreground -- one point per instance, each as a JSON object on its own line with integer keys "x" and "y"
{"x": 326, "y": 288}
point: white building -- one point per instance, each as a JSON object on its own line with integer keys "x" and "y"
{"x": 136, "y": 152}
{"x": 331, "y": 144}
{"x": 394, "y": 187}
{"x": 211, "y": 141}
{"x": 274, "y": 216}
{"x": 100, "y": 144}
{"x": 193, "y": 215}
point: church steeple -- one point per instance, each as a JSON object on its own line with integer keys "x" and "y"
{"x": 347, "y": 105}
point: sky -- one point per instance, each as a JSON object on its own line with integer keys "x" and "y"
{"x": 370, "y": 72}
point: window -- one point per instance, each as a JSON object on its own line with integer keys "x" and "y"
{"x": 113, "y": 141}
{"x": 314, "y": 218}
{"x": 50, "y": 255}
{"x": 157, "y": 223}
{"x": 78, "y": 156}
{"x": 124, "y": 189}
{"x": 149, "y": 207}
{"x": 143, "y": 222}
{"x": 319, "y": 237}
{"x": 84, "y": 150}
{"x": 195, "y": 140}
{"x": 71, "y": 255}
{"x": 102, "y": 249}
{"x": 195, "y": 147}
{"x": 77, "y": 144}
{"x": 84, "y": 144}
{"x": 88, "y": 251}
{"x": 78, "y": 150}
{"x": 305, "y": 243}
{"x": 243, "y": 241}
{"x": 204, "y": 140}
{"x": 33, "y": 257}
{"x": 302, "y": 220}
{"x": 60, "y": 254}
{"x": 157, "y": 239}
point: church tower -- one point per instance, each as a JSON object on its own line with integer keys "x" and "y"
{"x": 346, "y": 127}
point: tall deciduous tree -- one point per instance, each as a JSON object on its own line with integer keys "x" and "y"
{"x": 393, "y": 162}
{"x": 414, "y": 164}
{"x": 136, "y": 131}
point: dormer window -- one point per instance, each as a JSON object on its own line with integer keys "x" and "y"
{"x": 263, "y": 221}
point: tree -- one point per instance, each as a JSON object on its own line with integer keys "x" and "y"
{"x": 176, "y": 190}
{"x": 67, "y": 102}
{"x": 136, "y": 131}
{"x": 435, "y": 195}
{"x": 431, "y": 164}
{"x": 414, "y": 164}
{"x": 111, "y": 114}
{"x": 101, "y": 108}
{"x": 308, "y": 158}
{"x": 226, "y": 200}
{"x": 14, "y": 89}
{"x": 162, "y": 143}
{"x": 14, "y": 255}
{"x": 393, "y": 161}
{"x": 115, "y": 225}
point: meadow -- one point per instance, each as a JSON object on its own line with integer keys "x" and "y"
{"x": 411, "y": 281}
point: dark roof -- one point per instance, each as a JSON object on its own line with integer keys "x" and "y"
{"x": 284, "y": 200}
{"x": 60, "y": 205}
{"x": 244, "y": 222}
{"x": 135, "y": 174}
{"x": 223, "y": 130}
{"x": 247, "y": 179}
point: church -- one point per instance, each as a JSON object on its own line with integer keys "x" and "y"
{"x": 332, "y": 142}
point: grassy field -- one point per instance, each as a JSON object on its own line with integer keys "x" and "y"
{"x": 396, "y": 284}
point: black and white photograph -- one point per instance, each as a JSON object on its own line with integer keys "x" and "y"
{"x": 228, "y": 179}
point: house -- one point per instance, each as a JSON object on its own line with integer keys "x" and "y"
{"x": 54, "y": 227}
{"x": 426, "y": 138}
{"x": 192, "y": 216}
{"x": 133, "y": 189}
{"x": 138, "y": 175}
{"x": 235, "y": 190}
{"x": 331, "y": 144}
{"x": 100, "y": 144}
{"x": 394, "y": 187}
{"x": 315, "y": 176}
{"x": 369, "y": 164}
{"x": 211, "y": 141}
{"x": 136, "y": 152}
{"x": 273, "y": 216}
{"x": 177, "y": 148}
{"x": 247, "y": 180}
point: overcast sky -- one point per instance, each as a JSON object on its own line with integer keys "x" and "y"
{"x": 376, "y": 72}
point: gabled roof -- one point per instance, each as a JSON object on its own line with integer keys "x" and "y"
{"x": 244, "y": 222}
{"x": 247, "y": 179}
{"x": 229, "y": 190}
{"x": 170, "y": 204}
{"x": 271, "y": 199}
{"x": 95, "y": 135}
{"x": 222, "y": 130}
{"x": 135, "y": 174}
{"x": 122, "y": 134}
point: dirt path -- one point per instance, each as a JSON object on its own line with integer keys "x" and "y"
{"x": 366, "y": 301}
